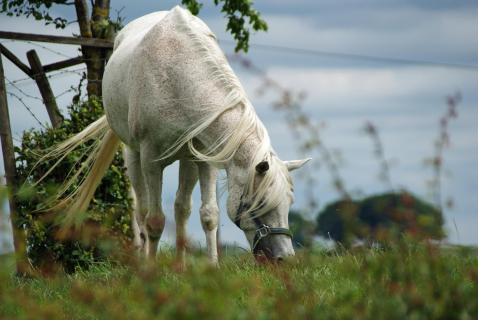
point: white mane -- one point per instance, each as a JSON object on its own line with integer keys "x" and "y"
{"x": 276, "y": 182}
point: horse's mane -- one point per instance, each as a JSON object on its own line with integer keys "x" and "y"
{"x": 276, "y": 183}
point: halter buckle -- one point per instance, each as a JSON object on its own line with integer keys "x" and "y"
{"x": 263, "y": 231}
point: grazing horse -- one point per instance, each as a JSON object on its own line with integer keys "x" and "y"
{"x": 169, "y": 94}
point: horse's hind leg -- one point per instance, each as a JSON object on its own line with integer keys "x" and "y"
{"x": 153, "y": 177}
{"x": 209, "y": 210}
{"x": 133, "y": 165}
{"x": 188, "y": 176}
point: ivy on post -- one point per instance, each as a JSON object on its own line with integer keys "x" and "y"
{"x": 19, "y": 239}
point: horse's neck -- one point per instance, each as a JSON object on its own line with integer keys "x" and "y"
{"x": 238, "y": 169}
{"x": 227, "y": 120}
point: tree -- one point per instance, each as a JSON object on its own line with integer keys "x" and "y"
{"x": 380, "y": 217}
{"x": 337, "y": 221}
{"x": 302, "y": 230}
{"x": 97, "y": 24}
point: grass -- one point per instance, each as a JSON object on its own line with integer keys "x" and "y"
{"x": 409, "y": 281}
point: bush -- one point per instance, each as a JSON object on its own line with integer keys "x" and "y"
{"x": 302, "y": 230}
{"x": 380, "y": 217}
{"x": 109, "y": 210}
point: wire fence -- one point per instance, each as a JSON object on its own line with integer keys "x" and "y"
{"x": 22, "y": 91}
{"x": 21, "y": 94}
{"x": 15, "y": 87}
{"x": 61, "y": 54}
{"x": 22, "y": 102}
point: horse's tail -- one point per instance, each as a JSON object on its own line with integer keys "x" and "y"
{"x": 101, "y": 154}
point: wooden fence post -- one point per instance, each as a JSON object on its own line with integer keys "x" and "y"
{"x": 19, "y": 237}
{"x": 47, "y": 94}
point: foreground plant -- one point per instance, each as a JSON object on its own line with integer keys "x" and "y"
{"x": 409, "y": 280}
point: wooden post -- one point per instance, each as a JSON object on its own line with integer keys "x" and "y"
{"x": 62, "y": 64}
{"x": 47, "y": 94}
{"x": 19, "y": 237}
{"x": 10, "y": 56}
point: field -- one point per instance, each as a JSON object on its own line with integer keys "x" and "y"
{"x": 408, "y": 281}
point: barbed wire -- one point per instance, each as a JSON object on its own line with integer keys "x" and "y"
{"x": 75, "y": 71}
{"x": 21, "y": 91}
{"x": 21, "y": 80}
{"x": 314, "y": 52}
{"x": 65, "y": 92}
{"x": 50, "y": 76}
{"x": 26, "y": 107}
{"x": 48, "y": 49}
{"x": 356, "y": 56}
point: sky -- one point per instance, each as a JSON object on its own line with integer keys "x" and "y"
{"x": 404, "y": 100}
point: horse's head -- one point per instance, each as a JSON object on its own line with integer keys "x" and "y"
{"x": 262, "y": 211}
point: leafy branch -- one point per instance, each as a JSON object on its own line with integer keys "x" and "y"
{"x": 239, "y": 15}
{"x": 39, "y": 9}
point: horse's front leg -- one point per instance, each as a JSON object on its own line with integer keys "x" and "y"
{"x": 209, "y": 210}
{"x": 153, "y": 177}
{"x": 188, "y": 176}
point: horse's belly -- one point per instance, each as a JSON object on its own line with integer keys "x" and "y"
{"x": 138, "y": 111}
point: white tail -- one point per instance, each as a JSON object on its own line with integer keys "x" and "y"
{"x": 93, "y": 168}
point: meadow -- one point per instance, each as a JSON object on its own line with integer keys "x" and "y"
{"x": 408, "y": 280}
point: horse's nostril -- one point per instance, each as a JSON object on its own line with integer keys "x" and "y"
{"x": 280, "y": 259}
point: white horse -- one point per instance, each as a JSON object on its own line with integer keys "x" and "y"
{"x": 169, "y": 94}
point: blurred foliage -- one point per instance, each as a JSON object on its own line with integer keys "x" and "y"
{"x": 109, "y": 212}
{"x": 4, "y": 219}
{"x": 303, "y": 230}
{"x": 442, "y": 142}
{"x": 379, "y": 218}
{"x": 409, "y": 281}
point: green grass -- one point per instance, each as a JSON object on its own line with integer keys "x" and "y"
{"x": 406, "y": 282}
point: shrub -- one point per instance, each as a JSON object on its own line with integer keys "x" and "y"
{"x": 380, "y": 217}
{"x": 302, "y": 230}
{"x": 109, "y": 210}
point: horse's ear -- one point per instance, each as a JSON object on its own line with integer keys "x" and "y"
{"x": 262, "y": 167}
{"x": 296, "y": 164}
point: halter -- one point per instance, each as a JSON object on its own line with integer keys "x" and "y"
{"x": 262, "y": 230}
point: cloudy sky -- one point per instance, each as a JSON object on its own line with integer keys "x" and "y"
{"x": 404, "y": 100}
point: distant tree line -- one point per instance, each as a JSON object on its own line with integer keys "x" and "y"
{"x": 374, "y": 219}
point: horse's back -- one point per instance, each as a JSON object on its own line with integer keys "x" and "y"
{"x": 117, "y": 80}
